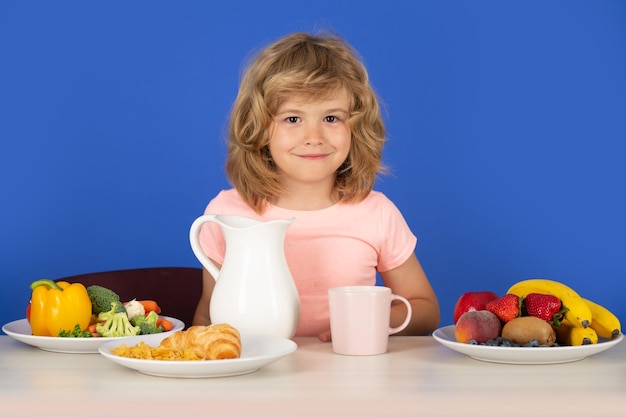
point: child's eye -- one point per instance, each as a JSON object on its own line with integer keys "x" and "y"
{"x": 292, "y": 119}
{"x": 331, "y": 119}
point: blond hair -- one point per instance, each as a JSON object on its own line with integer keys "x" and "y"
{"x": 316, "y": 67}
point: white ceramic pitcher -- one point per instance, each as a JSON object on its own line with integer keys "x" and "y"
{"x": 254, "y": 289}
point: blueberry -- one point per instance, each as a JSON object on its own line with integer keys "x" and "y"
{"x": 532, "y": 343}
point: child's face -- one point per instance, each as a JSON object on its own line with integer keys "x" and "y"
{"x": 310, "y": 139}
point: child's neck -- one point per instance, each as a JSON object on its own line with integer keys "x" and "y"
{"x": 306, "y": 199}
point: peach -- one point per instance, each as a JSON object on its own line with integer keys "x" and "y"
{"x": 478, "y": 325}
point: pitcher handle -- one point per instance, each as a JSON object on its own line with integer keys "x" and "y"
{"x": 194, "y": 240}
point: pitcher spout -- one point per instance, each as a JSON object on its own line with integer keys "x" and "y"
{"x": 240, "y": 222}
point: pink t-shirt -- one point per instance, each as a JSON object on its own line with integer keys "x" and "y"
{"x": 344, "y": 244}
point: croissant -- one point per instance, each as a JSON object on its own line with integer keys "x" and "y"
{"x": 216, "y": 341}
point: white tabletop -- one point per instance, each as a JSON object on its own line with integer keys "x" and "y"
{"x": 417, "y": 377}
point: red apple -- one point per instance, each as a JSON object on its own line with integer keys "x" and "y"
{"x": 472, "y": 301}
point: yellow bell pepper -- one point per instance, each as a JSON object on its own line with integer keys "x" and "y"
{"x": 57, "y": 306}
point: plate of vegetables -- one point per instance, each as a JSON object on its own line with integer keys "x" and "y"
{"x": 71, "y": 318}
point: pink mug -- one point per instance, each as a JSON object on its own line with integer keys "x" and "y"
{"x": 359, "y": 319}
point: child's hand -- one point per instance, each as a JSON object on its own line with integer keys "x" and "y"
{"x": 325, "y": 336}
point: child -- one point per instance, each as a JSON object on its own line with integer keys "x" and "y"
{"x": 305, "y": 140}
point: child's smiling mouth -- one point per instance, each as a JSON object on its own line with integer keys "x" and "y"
{"x": 313, "y": 156}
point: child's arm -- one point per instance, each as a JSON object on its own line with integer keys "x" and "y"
{"x": 201, "y": 317}
{"x": 410, "y": 281}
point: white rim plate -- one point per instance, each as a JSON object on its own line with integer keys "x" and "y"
{"x": 256, "y": 352}
{"x": 20, "y": 330}
{"x": 522, "y": 355}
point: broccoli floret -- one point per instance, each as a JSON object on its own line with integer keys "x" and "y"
{"x": 148, "y": 323}
{"x": 114, "y": 323}
{"x": 101, "y": 299}
{"x": 76, "y": 332}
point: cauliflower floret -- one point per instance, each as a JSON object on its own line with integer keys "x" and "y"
{"x": 134, "y": 309}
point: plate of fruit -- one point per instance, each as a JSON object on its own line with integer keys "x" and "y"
{"x": 537, "y": 321}
{"x": 71, "y": 318}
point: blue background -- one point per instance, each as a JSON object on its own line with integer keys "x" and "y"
{"x": 506, "y": 125}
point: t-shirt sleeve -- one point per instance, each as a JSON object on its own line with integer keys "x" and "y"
{"x": 398, "y": 242}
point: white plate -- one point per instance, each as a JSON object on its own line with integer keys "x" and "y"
{"x": 20, "y": 330}
{"x": 256, "y": 352}
{"x": 522, "y": 355}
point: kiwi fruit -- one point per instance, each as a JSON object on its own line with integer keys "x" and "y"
{"x": 522, "y": 330}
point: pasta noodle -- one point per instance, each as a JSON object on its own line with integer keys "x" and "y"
{"x": 145, "y": 351}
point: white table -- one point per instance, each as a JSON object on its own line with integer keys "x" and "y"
{"x": 417, "y": 377}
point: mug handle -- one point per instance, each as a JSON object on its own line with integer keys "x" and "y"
{"x": 409, "y": 312}
{"x": 194, "y": 240}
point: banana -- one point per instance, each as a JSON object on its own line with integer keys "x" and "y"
{"x": 571, "y": 335}
{"x": 605, "y": 323}
{"x": 578, "y": 312}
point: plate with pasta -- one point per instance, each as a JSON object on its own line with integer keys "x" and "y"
{"x": 152, "y": 355}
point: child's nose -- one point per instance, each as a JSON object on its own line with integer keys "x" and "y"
{"x": 314, "y": 135}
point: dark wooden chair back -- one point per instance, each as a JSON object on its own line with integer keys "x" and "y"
{"x": 175, "y": 289}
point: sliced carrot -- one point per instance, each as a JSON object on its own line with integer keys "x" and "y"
{"x": 165, "y": 323}
{"x": 150, "y": 305}
{"x": 92, "y": 329}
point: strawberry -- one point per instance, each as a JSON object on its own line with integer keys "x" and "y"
{"x": 506, "y": 308}
{"x": 544, "y": 306}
